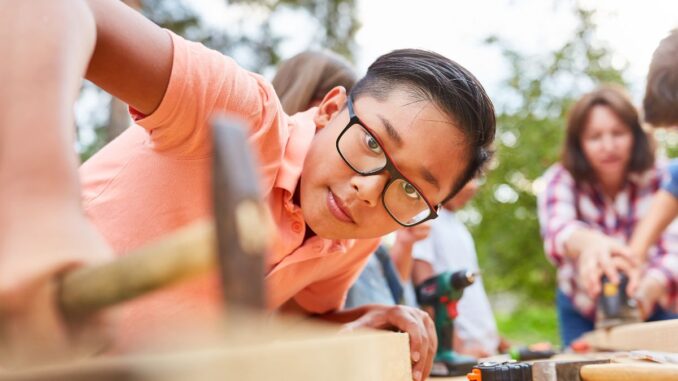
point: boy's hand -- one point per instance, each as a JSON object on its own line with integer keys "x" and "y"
{"x": 413, "y": 321}
{"x": 32, "y": 257}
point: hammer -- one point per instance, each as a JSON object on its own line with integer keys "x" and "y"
{"x": 236, "y": 240}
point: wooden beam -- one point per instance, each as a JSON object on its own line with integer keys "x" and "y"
{"x": 368, "y": 355}
{"x": 653, "y": 336}
{"x": 629, "y": 372}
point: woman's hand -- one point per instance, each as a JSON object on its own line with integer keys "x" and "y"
{"x": 605, "y": 256}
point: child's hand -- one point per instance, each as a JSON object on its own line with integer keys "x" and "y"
{"x": 35, "y": 253}
{"x": 648, "y": 293}
{"x": 408, "y": 236}
{"x": 413, "y": 321}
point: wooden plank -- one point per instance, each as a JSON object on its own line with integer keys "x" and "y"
{"x": 368, "y": 355}
{"x": 652, "y": 336}
{"x": 630, "y": 372}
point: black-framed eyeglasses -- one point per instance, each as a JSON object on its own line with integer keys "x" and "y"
{"x": 363, "y": 152}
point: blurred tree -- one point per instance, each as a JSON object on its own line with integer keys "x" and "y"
{"x": 252, "y": 39}
{"x": 531, "y": 126}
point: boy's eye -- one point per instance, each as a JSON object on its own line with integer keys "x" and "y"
{"x": 410, "y": 191}
{"x": 372, "y": 144}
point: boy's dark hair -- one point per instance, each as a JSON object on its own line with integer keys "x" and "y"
{"x": 616, "y": 99}
{"x": 661, "y": 93}
{"x": 449, "y": 86}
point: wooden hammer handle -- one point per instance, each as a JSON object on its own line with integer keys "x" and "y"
{"x": 190, "y": 251}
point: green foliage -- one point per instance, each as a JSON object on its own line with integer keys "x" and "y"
{"x": 530, "y": 324}
{"x": 531, "y": 126}
{"x": 335, "y": 21}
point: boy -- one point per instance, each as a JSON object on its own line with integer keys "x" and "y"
{"x": 660, "y": 107}
{"x": 450, "y": 247}
{"x": 335, "y": 177}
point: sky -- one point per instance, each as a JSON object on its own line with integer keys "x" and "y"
{"x": 456, "y": 28}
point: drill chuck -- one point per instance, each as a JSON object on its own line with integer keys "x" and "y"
{"x": 462, "y": 279}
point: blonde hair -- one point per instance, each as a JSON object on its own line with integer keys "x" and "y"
{"x": 308, "y": 76}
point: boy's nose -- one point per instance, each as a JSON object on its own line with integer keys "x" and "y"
{"x": 369, "y": 188}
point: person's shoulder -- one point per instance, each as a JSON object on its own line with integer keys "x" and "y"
{"x": 671, "y": 166}
{"x": 203, "y": 63}
{"x": 556, "y": 174}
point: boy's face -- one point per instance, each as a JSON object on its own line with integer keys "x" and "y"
{"x": 339, "y": 203}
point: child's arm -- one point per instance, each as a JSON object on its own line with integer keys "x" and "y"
{"x": 132, "y": 59}
{"x": 401, "y": 252}
{"x": 421, "y": 270}
{"x": 47, "y": 46}
{"x": 663, "y": 210}
{"x": 655, "y": 283}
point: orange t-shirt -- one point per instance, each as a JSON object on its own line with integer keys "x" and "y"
{"x": 155, "y": 178}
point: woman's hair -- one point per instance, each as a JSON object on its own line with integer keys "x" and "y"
{"x": 308, "y": 76}
{"x": 616, "y": 99}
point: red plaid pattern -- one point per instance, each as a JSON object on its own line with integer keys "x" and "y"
{"x": 565, "y": 206}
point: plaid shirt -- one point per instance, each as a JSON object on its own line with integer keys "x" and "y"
{"x": 565, "y": 206}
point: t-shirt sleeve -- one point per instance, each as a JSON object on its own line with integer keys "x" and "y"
{"x": 202, "y": 84}
{"x": 329, "y": 294}
{"x": 670, "y": 181}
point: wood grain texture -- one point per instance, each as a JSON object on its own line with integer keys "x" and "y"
{"x": 630, "y": 372}
{"x": 652, "y": 336}
{"x": 371, "y": 355}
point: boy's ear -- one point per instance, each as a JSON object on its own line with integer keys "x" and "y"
{"x": 331, "y": 105}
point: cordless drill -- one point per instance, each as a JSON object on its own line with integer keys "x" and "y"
{"x": 442, "y": 292}
{"x": 615, "y": 307}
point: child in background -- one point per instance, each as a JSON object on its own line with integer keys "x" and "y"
{"x": 302, "y": 81}
{"x": 386, "y": 276}
{"x": 407, "y": 137}
{"x": 661, "y": 110}
{"x": 450, "y": 247}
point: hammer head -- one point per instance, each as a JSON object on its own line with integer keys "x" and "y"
{"x": 240, "y": 217}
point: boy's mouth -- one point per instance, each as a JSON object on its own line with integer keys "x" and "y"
{"x": 338, "y": 208}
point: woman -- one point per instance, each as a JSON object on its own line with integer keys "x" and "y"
{"x": 590, "y": 205}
